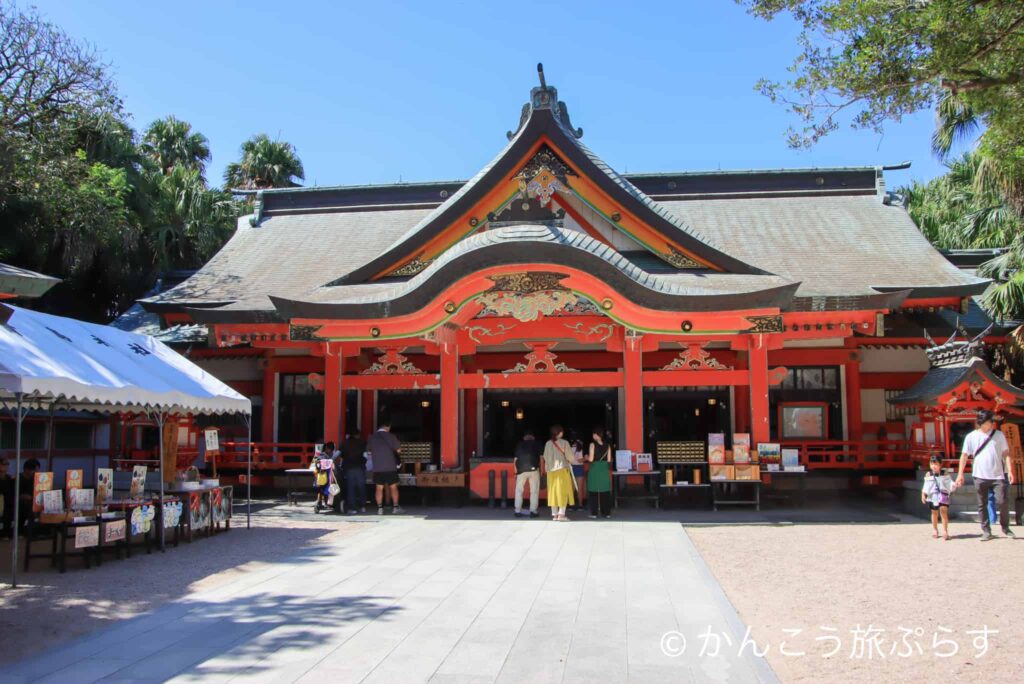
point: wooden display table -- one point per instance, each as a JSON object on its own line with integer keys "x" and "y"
{"x": 648, "y": 492}
{"x": 799, "y": 494}
{"x": 204, "y": 509}
{"x": 288, "y": 478}
{"x": 720, "y": 493}
{"x": 60, "y": 532}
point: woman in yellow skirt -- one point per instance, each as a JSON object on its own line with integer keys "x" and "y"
{"x": 558, "y": 463}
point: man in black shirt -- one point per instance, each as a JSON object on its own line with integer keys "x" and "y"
{"x": 527, "y": 472}
{"x": 385, "y": 448}
{"x": 353, "y": 466}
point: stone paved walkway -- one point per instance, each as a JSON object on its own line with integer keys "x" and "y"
{"x": 408, "y": 599}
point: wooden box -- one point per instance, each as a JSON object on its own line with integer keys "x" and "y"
{"x": 417, "y": 452}
{"x": 723, "y": 472}
{"x": 748, "y": 472}
{"x": 680, "y": 452}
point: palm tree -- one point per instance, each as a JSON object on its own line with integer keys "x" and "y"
{"x": 961, "y": 210}
{"x": 191, "y": 222}
{"x": 170, "y": 142}
{"x": 265, "y": 163}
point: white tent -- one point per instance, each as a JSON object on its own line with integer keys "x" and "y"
{"x": 47, "y": 360}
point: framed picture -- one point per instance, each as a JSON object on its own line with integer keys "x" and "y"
{"x": 803, "y": 420}
{"x": 716, "y": 448}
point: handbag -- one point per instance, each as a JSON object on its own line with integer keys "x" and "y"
{"x": 334, "y": 489}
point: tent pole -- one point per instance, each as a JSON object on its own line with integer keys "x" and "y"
{"x": 17, "y": 491}
{"x": 248, "y": 475}
{"x": 160, "y": 419}
{"x": 49, "y": 437}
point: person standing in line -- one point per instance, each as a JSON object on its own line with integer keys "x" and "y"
{"x": 7, "y": 498}
{"x": 323, "y": 469}
{"x": 353, "y": 468}
{"x": 990, "y": 469}
{"x": 558, "y": 462}
{"x": 599, "y": 479}
{"x": 527, "y": 463}
{"x": 578, "y": 472}
{"x": 384, "y": 448}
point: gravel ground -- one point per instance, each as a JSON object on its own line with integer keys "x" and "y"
{"x": 887, "y": 576}
{"x": 48, "y": 608}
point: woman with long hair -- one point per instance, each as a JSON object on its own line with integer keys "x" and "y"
{"x": 558, "y": 463}
{"x": 599, "y": 479}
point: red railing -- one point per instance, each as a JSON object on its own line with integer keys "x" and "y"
{"x": 865, "y": 455}
{"x": 265, "y": 455}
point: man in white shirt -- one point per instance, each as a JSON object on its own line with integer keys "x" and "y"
{"x": 990, "y": 469}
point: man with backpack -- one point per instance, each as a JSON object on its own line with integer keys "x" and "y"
{"x": 527, "y": 462}
{"x": 990, "y": 469}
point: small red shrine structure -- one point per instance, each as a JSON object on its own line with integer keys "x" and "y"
{"x": 946, "y": 400}
{"x": 550, "y": 288}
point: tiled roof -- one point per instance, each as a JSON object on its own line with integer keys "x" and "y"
{"x": 939, "y": 380}
{"x": 544, "y": 244}
{"x": 287, "y": 256}
{"x": 834, "y": 245}
{"x": 23, "y": 283}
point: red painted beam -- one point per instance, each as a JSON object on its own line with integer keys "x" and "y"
{"x": 812, "y": 357}
{"x": 392, "y": 382}
{"x": 539, "y": 380}
{"x": 889, "y": 380}
{"x": 704, "y": 378}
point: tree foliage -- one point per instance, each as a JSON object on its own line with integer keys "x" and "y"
{"x": 876, "y": 61}
{"x": 82, "y": 196}
{"x": 959, "y": 211}
{"x": 265, "y": 163}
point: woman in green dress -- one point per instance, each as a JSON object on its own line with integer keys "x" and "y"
{"x": 599, "y": 479}
{"x": 558, "y": 463}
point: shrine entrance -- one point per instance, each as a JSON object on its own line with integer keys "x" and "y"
{"x": 508, "y": 414}
{"x": 685, "y": 414}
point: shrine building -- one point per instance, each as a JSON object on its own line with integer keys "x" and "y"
{"x": 550, "y": 288}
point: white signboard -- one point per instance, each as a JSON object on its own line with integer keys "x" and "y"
{"x": 212, "y": 443}
{"x": 623, "y": 460}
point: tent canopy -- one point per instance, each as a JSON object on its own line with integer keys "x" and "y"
{"x": 98, "y": 368}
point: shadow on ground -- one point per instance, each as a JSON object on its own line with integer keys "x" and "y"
{"x": 48, "y": 606}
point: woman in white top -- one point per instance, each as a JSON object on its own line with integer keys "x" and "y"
{"x": 558, "y": 463}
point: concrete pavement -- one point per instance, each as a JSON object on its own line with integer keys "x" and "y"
{"x": 413, "y": 599}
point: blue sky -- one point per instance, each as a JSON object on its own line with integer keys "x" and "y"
{"x": 375, "y": 92}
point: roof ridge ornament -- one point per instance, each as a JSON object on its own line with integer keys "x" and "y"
{"x": 954, "y": 351}
{"x": 545, "y": 97}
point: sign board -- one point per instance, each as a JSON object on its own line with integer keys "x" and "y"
{"x": 87, "y": 536}
{"x": 113, "y": 531}
{"x": 212, "y": 441}
{"x": 623, "y": 460}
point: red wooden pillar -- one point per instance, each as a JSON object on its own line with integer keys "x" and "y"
{"x": 854, "y": 427}
{"x": 369, "y": 419}
{"x": 449, "y": 405}
{"x": 760, "y": 426}
{"x": 269, "y": 408}
{"x": 334, "y": 398}
{"x": 632, "y": 371}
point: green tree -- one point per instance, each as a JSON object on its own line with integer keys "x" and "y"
{"x": 171, "y": 142}
{"x": 265, "y": 163}
{"x": 191, "y": 221}
{"x": 960, "y": 211}
{"x": 877, "y": 61}
{"x": 81, "y": 197}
